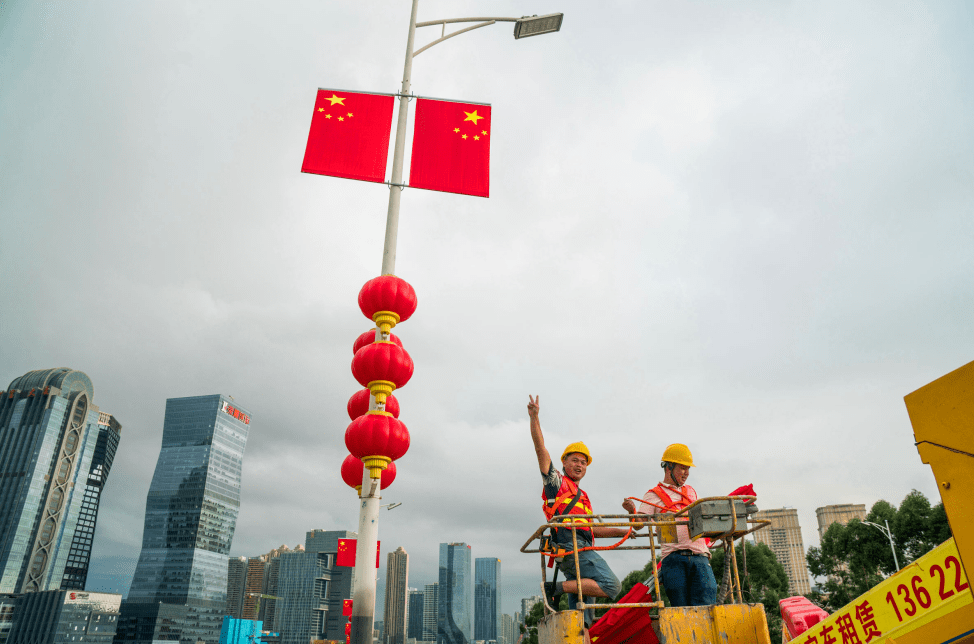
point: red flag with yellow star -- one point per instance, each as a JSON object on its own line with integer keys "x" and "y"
{"x": 451, "y": 147}
{"x": 349, "y": 135}
{"x": 346, "y": 552}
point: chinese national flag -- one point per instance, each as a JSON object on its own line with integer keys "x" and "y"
{"x": 347, "y": 608}
{"x": 346, "y": 552}
{"x": 349, "y": 135}
{"x": 451, "y": 147}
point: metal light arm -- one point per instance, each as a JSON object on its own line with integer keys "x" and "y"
{"x": 484, "y": 22}
{"x": 889, "y": 535}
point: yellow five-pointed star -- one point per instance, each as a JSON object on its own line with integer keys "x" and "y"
{"x": 484, "y": 132}
{"x": 327, "y": 116}
{"x": 473, "y": 116}
{"x": 350, "y": 114}
{"x": 341, "y": 118}
{"x": 464, "y": 136}
{"x": 321, "y": 109}
{"x": 476, "y": 138}
{"x": 336, "y": 99}
{"x": 456, "y": 129}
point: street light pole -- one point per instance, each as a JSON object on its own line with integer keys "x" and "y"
{"x": 363, "y": 604}
{"x": 363, "y": 594}
{"x": 889, "y": 535}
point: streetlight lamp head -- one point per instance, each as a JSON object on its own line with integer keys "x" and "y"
{"x": 537, "y": 25}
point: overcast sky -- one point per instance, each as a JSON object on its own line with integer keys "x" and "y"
{"x": 742, "y": 226}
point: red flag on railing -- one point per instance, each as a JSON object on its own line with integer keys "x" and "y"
{"x": 346, "y": 552}
{"x": 349, "y": 135}
{"x": 451, "y": 147}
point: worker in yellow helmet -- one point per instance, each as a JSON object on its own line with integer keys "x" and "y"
{"x": 685, "y": 572}
{"x": 562, "y": 497}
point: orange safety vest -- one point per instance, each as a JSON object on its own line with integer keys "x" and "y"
{"x": 671, "y": 505}
{"x": 556, "y": 507}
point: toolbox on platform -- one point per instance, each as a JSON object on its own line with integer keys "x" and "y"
{"x": 714, "y": 518}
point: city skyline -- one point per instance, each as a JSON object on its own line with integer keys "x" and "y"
{"x": 788, "y": 234}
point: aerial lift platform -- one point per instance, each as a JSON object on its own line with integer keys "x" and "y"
{"x": 722, "y": 518}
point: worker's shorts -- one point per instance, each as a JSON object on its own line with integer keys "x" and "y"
{"x": 593, "y": 567}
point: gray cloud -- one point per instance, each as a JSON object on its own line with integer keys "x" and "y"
{"x": 743, "y": 227}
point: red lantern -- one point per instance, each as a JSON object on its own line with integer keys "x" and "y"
{"x": 369, "y": 337}
{"x": 382, "y": 367}
{"x": 352, "y": 473}
{"x": 377, "y": 438}
{"x": 387, "y": 300}
{"x": 358, "y": 404}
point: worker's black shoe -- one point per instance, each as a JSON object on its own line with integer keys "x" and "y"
{"x": 551, "y": 593}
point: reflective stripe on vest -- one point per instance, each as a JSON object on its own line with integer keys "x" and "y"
{"x": 555, "y": 507}
{"x": 671, "y": 505}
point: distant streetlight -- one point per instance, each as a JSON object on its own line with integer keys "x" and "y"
{"x": 889, "y": 535}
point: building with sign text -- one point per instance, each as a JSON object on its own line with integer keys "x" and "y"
{"x": 179, "y": 590}
{"x": 64, "y": 616}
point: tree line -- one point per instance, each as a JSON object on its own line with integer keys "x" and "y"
{"x": 855, "y": 557}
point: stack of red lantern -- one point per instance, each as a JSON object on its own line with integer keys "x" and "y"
{"x": 376, "y": 437}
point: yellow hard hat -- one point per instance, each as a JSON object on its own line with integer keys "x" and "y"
{"x": 577, "y": 447}
{"x": 678, "y": 453}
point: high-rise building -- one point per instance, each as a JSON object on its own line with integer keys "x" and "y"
{"x": 507, "y": 630}
{"x": 268, "y": 605}
{"x": 431, "y": 611}
{"x": 784, "y": 537}
{"x": 454, "y": 615}
{"x": 840, "y": 514}
{"x": 236, "y": 586}
{"x": 397, "y": 580}
{"x": 253, "y": 587}
{"x": 414, "y": 614}
{"x": 76, "y": 570}
{"x": 486, "y": 598}
{"x": 51, "y": 474}
{"x": 311, "y": 590}
{"x": 190, "y": 516}
{"x": 65, "y": 616}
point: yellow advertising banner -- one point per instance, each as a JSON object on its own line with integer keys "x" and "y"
{"x": 929, "y": 588}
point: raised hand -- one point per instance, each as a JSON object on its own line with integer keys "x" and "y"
{"x": 534, "y": 406}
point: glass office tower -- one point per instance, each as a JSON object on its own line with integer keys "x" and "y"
{"x": 190, "y": 515}
{"x": 49, "y": 434}
{"x": 76, "y": 570}
{"x": 414, "y": 628}
{"x": 486, "y": 598}
{"x": 453, "y": 617}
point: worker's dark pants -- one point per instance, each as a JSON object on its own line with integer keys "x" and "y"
{"x": 688, "y": 580}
